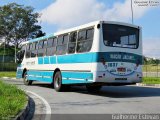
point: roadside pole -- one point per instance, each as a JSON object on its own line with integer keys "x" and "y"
{"x": 4, "y": 54}
{"x": 15, "y": 52}
{"x": 132, "y": 11}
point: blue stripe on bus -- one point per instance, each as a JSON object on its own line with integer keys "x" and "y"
{"x": 77, "y": 75}
{"x": 119, "y": 57}
{"x": 40, "y": 73}
{"x": 45, "y": 76}
{"x": 49, "y": 80}
{"x": 70, "y": 77}
{"x": 94, "y": 57}
{"x": 53, "y": 60}
{"x": 76, "y": 58}
{"x": 40, "y": 60}
{"x": 46, "y": 60}
{"x": 64, "y": 81}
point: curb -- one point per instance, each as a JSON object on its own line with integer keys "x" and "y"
{"x": 9, "y": 78}
{"x": 148, "y": 85}
{"x": 23, "y": 114}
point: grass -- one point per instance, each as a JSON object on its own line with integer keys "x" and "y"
{"x": 151, "y": 80}
{"x": 12, "y": 100}
{"x": 8, "y": 74}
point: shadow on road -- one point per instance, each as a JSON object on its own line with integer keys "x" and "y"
{"x": 106, "y": 91}
{"x": 113, "y": 91}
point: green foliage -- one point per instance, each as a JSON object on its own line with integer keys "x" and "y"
{"x": 9, "y": 50}
{"x": 18, "y": 23}
{"x": 12, "y": 100}
{"x": 150, "y": 61}
{"x": 151, "y": 80}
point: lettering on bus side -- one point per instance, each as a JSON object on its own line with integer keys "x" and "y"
{"x": 112, "y": 64}
{"x": 115, "y": 56}
{"x": 122, "y": 57}
{"x": 30, "y": 63}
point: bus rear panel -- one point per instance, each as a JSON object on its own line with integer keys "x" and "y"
{"x": 120, "y": 56}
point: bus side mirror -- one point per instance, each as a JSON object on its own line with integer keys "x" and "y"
{"x": 98, "y": 26}
{"x": 18, "y": 56}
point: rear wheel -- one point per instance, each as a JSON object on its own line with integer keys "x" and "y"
{"x": 25, "y": 80}
{"x": 58, "y": 86}
{"x": 93, "y": 88}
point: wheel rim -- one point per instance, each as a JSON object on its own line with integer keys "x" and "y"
{"x": 57, "y": 81}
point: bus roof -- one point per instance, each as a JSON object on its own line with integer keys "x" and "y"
{"x": 77, "y": 28}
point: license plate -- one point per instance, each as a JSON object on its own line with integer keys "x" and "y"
{"x": 121, "y": 69}
{"x": 120, "y": 78}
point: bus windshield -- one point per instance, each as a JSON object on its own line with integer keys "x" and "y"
{"x": 120, "y": 36}
{"x": 20, "y": 54}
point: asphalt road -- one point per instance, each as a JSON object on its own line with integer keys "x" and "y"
{"x": 110, "y": 100}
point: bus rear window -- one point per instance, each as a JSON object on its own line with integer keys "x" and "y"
{"x": 120, "y": 36}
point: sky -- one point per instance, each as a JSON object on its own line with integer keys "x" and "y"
{"x": 62, "y": 14}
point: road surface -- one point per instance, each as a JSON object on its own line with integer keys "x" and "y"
{"x": 110, "y": 100}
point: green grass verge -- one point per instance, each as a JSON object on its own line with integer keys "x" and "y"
{"x": 8, "y": 74}
{"x": 12, "y": 100}
{"x": 151, "y": 80}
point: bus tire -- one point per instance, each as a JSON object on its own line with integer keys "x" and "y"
{"x": 25, "y": 80}
{"x": 93, "y": 88}
{"x": 58, "y": 86}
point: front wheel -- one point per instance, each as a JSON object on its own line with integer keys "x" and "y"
{"x": 58, "y": 86}
{"x": 25, "y": 80}
{"x": 93, "y": 88}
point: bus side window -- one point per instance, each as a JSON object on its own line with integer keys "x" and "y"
{"x": 28, "y": 51}
{"x": 72, "y": 42}
{"x": 33, "y": 50}
{"x": 45, "y": 44}
{"x": 51, "y": 46}
{"x": 27, "y": 47}
{"x": 40, "y": 45}
{"x": 82, "y": 35}
{"x": 50, "y": 42}
{"x": 60, "y": 40}
{"x": 62, "y": 44}
{"x": 36, "y": 45}
{"x": 41, "y": 49}
{"x": 90, "y": 34}
{"x": 23, "y": 47}
{"x": 85, "y": 39}
{"x": 55, "y": 42}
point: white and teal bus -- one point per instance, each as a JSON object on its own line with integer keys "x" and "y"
{"x": 95, "y": 54}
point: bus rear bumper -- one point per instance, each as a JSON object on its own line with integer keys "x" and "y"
{"x": 109, "y": 79}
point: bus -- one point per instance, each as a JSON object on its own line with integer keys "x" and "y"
{"x": 94, "y": 55}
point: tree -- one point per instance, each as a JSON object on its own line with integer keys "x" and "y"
{"x": 18, "y": 23}
{"x": 39, "y": 33}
